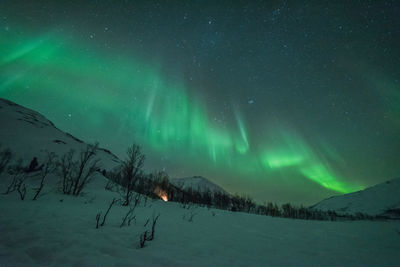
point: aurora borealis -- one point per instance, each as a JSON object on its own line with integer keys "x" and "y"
{"x": 284, "y": 101}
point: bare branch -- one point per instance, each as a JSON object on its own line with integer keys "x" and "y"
{"x": 131, "y": 169}
{"x": 108, "y": 210}
{"x": 49, "y": 167}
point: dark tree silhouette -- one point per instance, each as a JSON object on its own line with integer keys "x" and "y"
{"x": 48, "y": 167}
{"x": 76, "y": 174}
{"x": 131, "y": 170}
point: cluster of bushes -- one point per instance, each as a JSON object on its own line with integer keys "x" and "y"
{"x": 150, "y": 184}
{"x": 77, "y": 169}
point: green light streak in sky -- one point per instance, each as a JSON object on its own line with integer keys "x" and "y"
{"x": 161, "y": 113}
{"x": 275, "y": 161}
{"x": 292, "y": 153}
{"x": 242, "y": 146}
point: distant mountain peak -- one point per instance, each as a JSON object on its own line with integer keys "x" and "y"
{"x": 198, "y": 183}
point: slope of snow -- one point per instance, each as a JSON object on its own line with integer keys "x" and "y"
{"x": 29, "y": 134}
{"x": 375, "y": 200}
{"x": 197, "y": 183}
{"x": 60, "y": 230}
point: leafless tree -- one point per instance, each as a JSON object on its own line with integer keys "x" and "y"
{"x": 131, "y": 169}
{"x": 48, "y": 167}
{"x": 76, "y": 174}
{"x": 87, "y": 166}
{"x": 66, "y": 167}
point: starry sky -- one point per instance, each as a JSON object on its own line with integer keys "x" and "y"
{"x": 281, "y": 100}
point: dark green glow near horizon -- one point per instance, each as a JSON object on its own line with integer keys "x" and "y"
{"x": 161, "y": 113}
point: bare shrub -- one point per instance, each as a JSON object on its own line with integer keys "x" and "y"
{"x": 129, "y": 216}
{"x": 98, "y": 215}
{"x": 145, "y": 236}
{"x": 131, "y": 170}
{"x": 153, "y": 226}
{"x": 142, "y": 239}
{"x": 66, "y": 167}
{"x": 108, "y": 210}
{"x": 76, "y": 174}
{"x": 48, "y": 167}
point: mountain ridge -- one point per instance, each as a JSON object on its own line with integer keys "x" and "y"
{"x": 379, "y": 200}
{"x": 28, "y": 134}
{"x": 197, "y": 183}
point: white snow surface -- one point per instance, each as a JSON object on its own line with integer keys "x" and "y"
{"x": 375, "y": 200}
{"x": 60, "y": 230}
{"x": 197, "y": 183}
{"x": 29, "y": 134}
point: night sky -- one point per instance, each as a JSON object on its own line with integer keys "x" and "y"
{"x": 282, "y": 100}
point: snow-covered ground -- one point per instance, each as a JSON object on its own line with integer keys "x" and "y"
{"x": 375, "y": 200}
{"x": 60, "y": 230}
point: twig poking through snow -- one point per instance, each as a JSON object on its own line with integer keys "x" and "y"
{"x": 98, "y": 219}
{"x": 108, "y": 210}
{"x": 144, "y": 236}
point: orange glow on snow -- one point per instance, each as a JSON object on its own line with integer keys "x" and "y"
{"x": 161, "y": 193}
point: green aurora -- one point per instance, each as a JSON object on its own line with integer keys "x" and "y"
{"x": 161, "y": 113}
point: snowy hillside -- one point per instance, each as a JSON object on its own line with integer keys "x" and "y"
{"x": 375, "y": 200}
{"x": 197, "y": 183}
{"x": 29, "y": 134}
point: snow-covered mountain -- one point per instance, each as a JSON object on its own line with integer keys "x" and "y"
{"x": 29, "y": 134}
{"x": 197, "y": 183}
{"x": 381, "y": 199}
